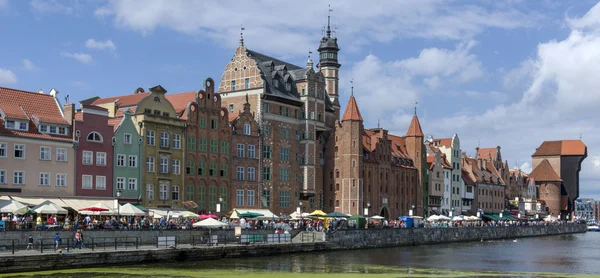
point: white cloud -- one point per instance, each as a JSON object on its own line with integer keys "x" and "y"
{"x": 81, "y": 57}
{"x": 101, "y": 45}
{"x": 7, "y": 77}
{"x": 526, "y": 167}
{"x": 360, "y": 21}
{"x": 28, "y": 65}
{"x": 50, "y": 6}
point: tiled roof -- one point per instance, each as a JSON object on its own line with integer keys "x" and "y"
{"x": 467, "y": 178}
{"x": 233, "y": 116}
{"x": 273, "y": 69}
{"x": 13, "y": 111}
{"x": 180, "y": 102}
{"x": 122, "y": 110}
{"x": 115, "y": 122}
{"x": 399, "y": 146}
{"x": 486, "y": 153}
{"x": 446, "y": 142}
{"x": 42, "y": 106}
{"x": 445, "y": 163}
{"x": 564, "y": 147}
{"x": 352, "y": 113}
{"x": 414, "y": 129}
{"x": 544, "y": 172}
{"x": 122, "y": 101}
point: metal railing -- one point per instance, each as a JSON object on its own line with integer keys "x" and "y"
{"x": 165, "y": 241}
{"x": 10, "y": 244}
{"x": 116, "y": 242}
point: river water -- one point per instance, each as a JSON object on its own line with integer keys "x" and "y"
{"x": 552, "y": 256}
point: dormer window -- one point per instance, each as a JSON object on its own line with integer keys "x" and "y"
{"x": 276, "y": 83}
{"x": 16, "y": 125}
{"x": 288, "y": 87}
{"x": 94, "y": 137}
{"x": 48, "y": 129}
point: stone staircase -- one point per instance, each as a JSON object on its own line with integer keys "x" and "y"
{"x": 309, "y": 237}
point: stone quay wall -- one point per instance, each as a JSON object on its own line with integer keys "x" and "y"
{"x": 339, "y": 240}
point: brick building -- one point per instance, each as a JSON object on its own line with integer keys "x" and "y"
{"x": 490, "y": 187}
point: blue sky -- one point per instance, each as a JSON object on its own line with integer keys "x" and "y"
{"x": 509, "y": 73}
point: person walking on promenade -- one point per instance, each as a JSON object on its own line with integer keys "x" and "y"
{"x": 77, "y": 240}
{"x": 56, "y": 241}
{"x": 81, "y": 242}
{"x": 30, "y": 243}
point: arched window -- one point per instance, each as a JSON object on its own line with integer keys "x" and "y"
{"x": 337, "y": 203}
{"x": 94, "y": 137}
{"x": 337, "y": 173}
{"x": 337, "y": 186}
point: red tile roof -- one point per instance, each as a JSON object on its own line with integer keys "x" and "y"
{"x": 467, "y": 178}
{"x": 414, "y": 129}
{"x": 13, "y": 111}
{"x": 563, "y": 147}
{"x": 180, "y": 102}
{"x": 544, "y": 172}
{"x": 486, "y": 153}
{"x": 352, "y": 113}
{"x": 233, "y": 116}
{"x": 122, "y": 110}
{"x": 446, "y": 142}
{"x": 122, "y": 101}
{"x": 115, "y": 122}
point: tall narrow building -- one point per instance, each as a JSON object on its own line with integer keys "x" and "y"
{"x": 416, "y": 150}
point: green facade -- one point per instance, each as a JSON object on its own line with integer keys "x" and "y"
{"x": 124, "y": 175}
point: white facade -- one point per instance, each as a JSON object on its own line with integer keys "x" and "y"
{"x": 453, "y": 155}
{"x": 446, "y": 201}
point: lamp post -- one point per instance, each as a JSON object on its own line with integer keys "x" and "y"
{"x": 410, "y": 212}
{"x": 537, "y": 216}
{"x": 219, "y": 206}
{"x": 451, "y": 211}
{"x": 366, "y": 210}
{"x": 299, "y": 209}
{"x": 479, "y": 213}
{"x": 117, "y": 206}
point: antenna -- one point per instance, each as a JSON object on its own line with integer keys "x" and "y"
{"x": 352, "y": 90}
{"x": 242, "y": 34}
{"x": 378, "y": 126}
{"x": 580, "y": 136}
{"x": 416, "y": 102}
{"x": 329, "y": 21}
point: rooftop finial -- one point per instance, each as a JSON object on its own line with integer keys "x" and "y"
{"x": 242, "y": 35}
{"x": 309, "y": 62}
{"x": 329, "y": 21}
{"x": 378, "y": 126}
{"x": 352, "y": 89}
{"x": 416, "y": 102}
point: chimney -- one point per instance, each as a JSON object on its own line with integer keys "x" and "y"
{"x": 477, "y": 153}
{"x": 479, "y": 164}
{"x": 484, "y": 164}
{"x": 69, "y": 113}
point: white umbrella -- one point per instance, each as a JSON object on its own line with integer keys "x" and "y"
{"x": 130, "y": 210}
{"x": 443, "y": 217}
{"x": 48, "y": 207}
{"x": 210, "y": 223}
{"x": 458, "y": 218}
{"x": 14, "y": 207}
{"x": 433, "y": 218}
{"x": 377, "y": 217}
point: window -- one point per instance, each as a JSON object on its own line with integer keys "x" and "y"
{"x": 230, "y": 108}
{"x": 176, "y": 166}
{"x": 247, "y": 83}
{"x": 214, "y": 124}
{"x": 224, "y": 147}
{"x": 86, "y": 182}
{"x": 267, "y": 197}
{"x": 150, "y": 164}
{"x": 267, "y": 130}
{"x": 101, "y": 158}
{"x": 164, "y": 164}
{"x": 212, "y": 195}
{"x": 164, "y": 190}
{"x": 19, "y": 151}
{"x": 150, "y": 137}
{"x": 201, "y": 196}
{"x": 240, "y": 173}
{"x": 201, "y": 168}
{"x": 250, "y": 198}
{"x": 233, "y": 85}
{"x": 247, "y": 130}
{"x": 303, "y": 91}
{"x": 132, "y": 184}
{"x": 127, "y": 138}
{"x": 44, "y": 153}
{"x": 202, "y": 146}
{"x": 61, "y": 180}
{"x": 224, "y": 195}
{"x": 213, "y": 169}
{"x": 189, "y": 192}
{"x": 285, "y": 154}
{"x": 133, "y": 161}
{"x": 177, "y": 141}
{"x": 202, "y": 123}
{"x": 44, "y": 179}
{"x": 251, "y": 174}
{"x": 251, "y": 151}
{"x": 100, "y": 183}
{"x": 165, "y": 114}
{"x": 87, "y": 158}
{"x": 120, "y": 183}
{"x": 214, "y": 146}
{"x": 224, "y": 168}
{"x": 150, "y": 191}
{"x": 284, "y": 174}
{"x": 266, "y": 152}
{"x": 121, "y": 160}
{"x": 240, "y": 150}
{"x": 18, "y": 177}
{"x": 266, "y": 173}
{"x": 281, "y": 110}
{"x": 164, "y": 140}
{"x": 175, "y": 193}
{"x": 3, "y": 150}
{"x": 189, "y": 168}
{"x": 92, "y": 137}
{"x": 266, "y": 108}
{"x": 191, "y": 143}
{"x": 239, "y": 198}
{"x": 2, "y": 176}
{"x": 284, "y": 199}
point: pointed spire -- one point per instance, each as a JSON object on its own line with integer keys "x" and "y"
{"x": 247, "y": 105}
{"x": 246, "y": 97}
{"x": 352, "y": 113}
{"x": 329, "y": 21}
{"x": 242, "y": 35}
{"x": 414, "y": 130}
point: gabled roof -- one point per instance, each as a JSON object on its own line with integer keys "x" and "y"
{"x": 180, "y": 102}
{"x": 563, "y": 147}
{"x": 352, "y": 113}
{"x": 273, "y": 69}
{"x": 467, "y": 177}
{"x": 487, "y": 153}
{"x": 414, "y": 129}
{"x": 123, "y": 101}
{"x": 446, "y": 142}
{"x": 544, "y": 172}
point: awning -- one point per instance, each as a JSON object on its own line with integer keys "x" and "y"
{"x": 142, "y": 208}
{"x": 35, "y": 201}
{"x": 267, "y": 214}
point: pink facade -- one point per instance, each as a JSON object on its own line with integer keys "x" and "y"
{"x": 94, "y": 152}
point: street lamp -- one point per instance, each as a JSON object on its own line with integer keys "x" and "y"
{"x": 299, "y": 209}
{"x": 219, "y": 206}
{"x": 116, "y": 205}
{"x": 451, "y": 211}
{"x": 366, "y": 210}
{"x": 479, "y": 213}
{"x": 410, "y": 212}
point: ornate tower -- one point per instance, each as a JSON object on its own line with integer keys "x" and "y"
{"x": 329, "y": 66}
{"x": 416, "y": 150}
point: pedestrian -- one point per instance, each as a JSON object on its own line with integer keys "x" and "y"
{"x": 57, "y": 241}
{"x": 81, "y": 242}
{"x": 30, "y": 243}
{"x": 77, "y": 240}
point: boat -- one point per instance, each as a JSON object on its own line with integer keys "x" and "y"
{"x": 593, "y": 228}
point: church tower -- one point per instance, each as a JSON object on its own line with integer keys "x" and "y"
{"x": 329, "y": 66}
{"x": 416, "y": 150}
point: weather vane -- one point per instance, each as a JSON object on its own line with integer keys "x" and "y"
{"x": 242, "y": 34}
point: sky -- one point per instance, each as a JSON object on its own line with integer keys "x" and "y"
{"x": 497, "y": 73}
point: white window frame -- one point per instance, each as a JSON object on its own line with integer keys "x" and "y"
{"x": 241, "y": 150}
{"x": 164, "y": 139}
{"x": 239, "y": 173}
{"x": 176, "y": 141}
{"x": 150, "y": 191}
{"x": 247, "y": 129}
{"x": 3, "y": 176}
{"x": 24, "y": 149}
{"x": 239, "y": 198}
{"x": 150, "y": 136}
{"x": 22, "y": 177}
{"x": 132, "y": 184}
{"x": 251, "y": 174}
{"x": 100, "y": 158}
{"x": 100, "y": 182}
{"x": 176, "y": 166}
{"x": 45, "y": 153}
{"x": 93, "y": 133}
{"x": 163, "y": 191}
{"x": 89, "y": 178}
{"x": 44, "y": 179}
{"x": 132, "y": 161}
{"x": 61, "y": 180}
{"x": 250, "y": 198}
{"x": 164, "y": 165}
{"x": 150, "y": 164}
{"x": 175, "y": 190}
{"x": 87, "y": 158}
{"x": 251, "y": 151}
{"x": 127, "y": 138}
{"x": 3, "y": 150}
{"x": 61, "y": 152}
{"x": 120, "y": 183}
